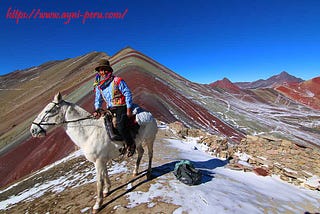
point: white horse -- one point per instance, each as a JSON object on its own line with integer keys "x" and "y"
{"x": 91, "y": 136}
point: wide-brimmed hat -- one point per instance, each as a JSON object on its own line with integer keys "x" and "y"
{"x": 104, "y": 63}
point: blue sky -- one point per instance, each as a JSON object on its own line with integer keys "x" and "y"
{"x": 202, "y": 40}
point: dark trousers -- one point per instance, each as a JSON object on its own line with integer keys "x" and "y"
{"x": 122, "y": 122}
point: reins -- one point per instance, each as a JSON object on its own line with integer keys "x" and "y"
{"x": 54, "y": 124}
{"x": 66, "y": 121}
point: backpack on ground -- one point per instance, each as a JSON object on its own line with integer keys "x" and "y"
{"x": 186, "y": 173}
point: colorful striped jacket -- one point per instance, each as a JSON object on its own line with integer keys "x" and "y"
{"x": 114, "y": 91}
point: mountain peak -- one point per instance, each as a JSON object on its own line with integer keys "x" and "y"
{"x": 281, "y": 78}
{"x": 122, "y": 52}
{"x": 284, "y": 73}
{"x": 273, "y": 81}
{"x": 225, "y": 84}
{"x": 226, "y": 80}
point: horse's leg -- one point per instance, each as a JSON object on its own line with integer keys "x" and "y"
{"x": 107, "y": 184}
{"x": 140, "y": 153}
{"x": 100, "y": 169}
{"x": 150, "y": 155}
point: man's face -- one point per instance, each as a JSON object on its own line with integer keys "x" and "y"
{"x": 103, "y": 71}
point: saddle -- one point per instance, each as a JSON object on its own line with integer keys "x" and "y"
{"x": 113, "y": 133}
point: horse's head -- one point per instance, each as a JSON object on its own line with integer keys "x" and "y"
{"x": 51, "y": 115}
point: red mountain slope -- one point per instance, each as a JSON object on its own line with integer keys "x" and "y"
{"x": 153, "y": 88}
{"x": 227, "y": 85}
{"x": 307, "y": 93}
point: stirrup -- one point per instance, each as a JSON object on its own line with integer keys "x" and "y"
{"x": 131, "y": 150}
{"x": 123, "y": 150}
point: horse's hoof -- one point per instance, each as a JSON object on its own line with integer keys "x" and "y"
{"x": 96, "y": 208}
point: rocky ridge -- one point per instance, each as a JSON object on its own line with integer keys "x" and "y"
{"x": 262, "y": 155}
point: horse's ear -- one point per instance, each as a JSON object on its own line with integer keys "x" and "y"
{"x": 57, "y": 98}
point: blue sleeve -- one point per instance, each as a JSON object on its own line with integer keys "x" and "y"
{"x": 123, "y": 87}
{"x": 98, "y": 99}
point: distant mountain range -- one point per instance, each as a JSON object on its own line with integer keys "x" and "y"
{"x": 271, "y": 82}
{"x": 305, "y": 92}
{"x": 266, "y": 107}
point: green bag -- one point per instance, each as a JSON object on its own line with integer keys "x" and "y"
{"x": 186, "y": 173}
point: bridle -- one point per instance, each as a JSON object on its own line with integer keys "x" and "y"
{"x": 54, "y": 124}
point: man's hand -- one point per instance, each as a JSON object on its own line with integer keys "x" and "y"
{"x": 97, "y": 113}
{"x": 129, "y": 112}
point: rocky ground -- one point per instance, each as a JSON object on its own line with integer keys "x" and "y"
{"x": 264, "y": 156}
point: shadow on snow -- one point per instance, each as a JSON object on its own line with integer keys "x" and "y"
{"x": 205, "y": 168}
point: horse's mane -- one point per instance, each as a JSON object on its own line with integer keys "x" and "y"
{"x": 76, "y": 107}
{"x": 79, "y": 113}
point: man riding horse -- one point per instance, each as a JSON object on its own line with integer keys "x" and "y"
{"x": 117, "y": 95}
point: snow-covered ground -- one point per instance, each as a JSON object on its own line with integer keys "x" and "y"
{"x": 229, "y": 191}
{"x": 222, "y": 190}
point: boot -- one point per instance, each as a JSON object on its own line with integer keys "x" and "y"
{"x": 131, "y": 149}
{"x": 113, "y": 136}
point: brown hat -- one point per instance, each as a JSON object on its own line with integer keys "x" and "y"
{"x": 104, "y": 63}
